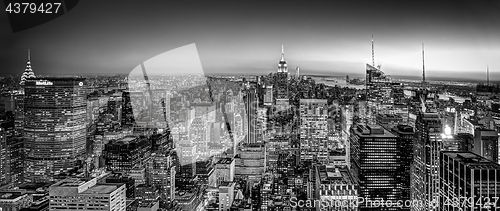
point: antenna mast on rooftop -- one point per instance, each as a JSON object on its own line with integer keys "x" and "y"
{"x": 373, "y": 53}
{"x": 423, "y": 66}
{"x": 487, "y": 75}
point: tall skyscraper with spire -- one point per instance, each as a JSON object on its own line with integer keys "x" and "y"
{"x": 423, "y": 67}
{"x": 379, "y": 91}
{"x": 373, "y": 53}
{"x": 28, "y": 72}
{"x": 384, "y": 96}
{"x": 282, "y": 100}
{"x": 298, "y": 71}
{"x": 282, "y": 66}
{"x": 19, "y": 97}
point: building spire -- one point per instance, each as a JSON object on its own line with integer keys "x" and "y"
{"x": 423, "y": 65}
{"x": 282, "y": 52}
{"x": 487, "y": 75}
{"x": 298, "y": 70}
{"x": 28, "y": 72}
{"x": 282, "y": 66}
{"x": 373, "y": 53}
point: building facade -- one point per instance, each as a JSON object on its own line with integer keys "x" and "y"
{"x": 426, "y": 147}
{"x": 468, "y": 182}
{"x": 252, "y": 104}
{"x": 313, "y": 130}
{"x": 86, "y": 194}
{"x": 224, "y": 170}
{"x": 54, "y": 126}
{"x": 379, "y": 163}
{"x": 486, "y": 143}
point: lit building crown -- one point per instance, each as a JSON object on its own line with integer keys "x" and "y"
{"x": 28, "y": 72}
{"x": 282, "y": 66}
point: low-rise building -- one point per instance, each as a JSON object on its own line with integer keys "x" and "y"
{"x": 86, "y": 194}
{"x": 14, "y": 200}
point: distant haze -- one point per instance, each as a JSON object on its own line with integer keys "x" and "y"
{"x": 331, "y": 37}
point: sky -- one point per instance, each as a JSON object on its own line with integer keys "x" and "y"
{"x": 461, "y": 37}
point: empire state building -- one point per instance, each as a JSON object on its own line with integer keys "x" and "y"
{"x": 282, "y": 98}
{"x": 282, "y": 66}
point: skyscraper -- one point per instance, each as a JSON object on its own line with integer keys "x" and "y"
{"x": 55, "y": 126}
{"x": 15, "y": 152}
{"x": 198, "y": 134}
{"x": 282, "y": 98}
{"x": 127, "y": 111}
{"x": 313, "y": 130}
{"x": 427, "y": 145}
{"x": 4, "y": 158}
{"x": 486, "y": 144}
{"x": 378, "y": 164}
{"x": 405, "y": 134}
{"x": 378, "y": 93}
{"x": 470, "y": 178}
{"x": 19, "y": 98}
{"x": 382, "y": 93}
{"x": 224, "y": 170}
{"x": 186, "y": 150}
{"x": 125, "y": 154}
{"x": 28, "y": 72}
{"x": 114, "y": 107}
{"x": 11, "y": 154}
{"x": 250, "y": 162}
{"x": 19, "y": 112}
{"x": 297, "y": 69}
{"x": 161, "y": 174}
{"x": 251, "y": 109}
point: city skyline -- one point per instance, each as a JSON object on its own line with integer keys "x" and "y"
{"x": 193, "y": 106}
{"x": 243, "y": 38}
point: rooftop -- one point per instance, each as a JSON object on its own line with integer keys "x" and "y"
{"x": 485, "y": 132}
{"x": 128, "y": 139}
{"x": 72, "y": 182}
{"x": 390, "y": 115}
{"x": 72, "y": 78}
{"x": 9, "y": 195}
{"x": 226, "y": 184}
{"x": 225, "y": 161}
{"x": 332, "y": 175}
{"x": 472, "y": 160}
{"x": 185, "y": 196}
{"x": 102, "y": 189}
{"x": 148, "y": 204}
{"x": 373, "y": 131}
{"x": 403, "y": 129}
{"x": 313, "y": 101}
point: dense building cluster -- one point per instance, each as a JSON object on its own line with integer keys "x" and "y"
{"x": 274, "y": 142}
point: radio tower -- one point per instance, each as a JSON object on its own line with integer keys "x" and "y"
{"x": 423, "y": 66}
{"x": 373, "y": 53}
